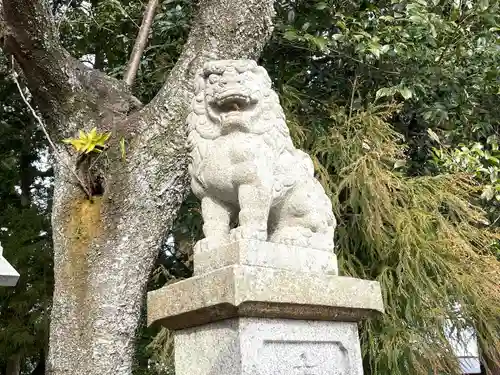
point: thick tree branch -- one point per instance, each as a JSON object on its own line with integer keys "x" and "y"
{"x": 66, "y": 91}
{"x": 140, "y": 43}
{"x": 31, "y": 37}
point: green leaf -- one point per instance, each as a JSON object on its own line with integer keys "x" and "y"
{"x": 90, "y": 148}
{"x": 122, "y": 148}
{"x": 290, "y": 35}
{"x": 385, "y": 48}
{"x": 494, "y": 160}
{"x": 384, "y": 92}
{"x": 416, "y": 19}
{"x": 484, "y": 4}
{"x": 320, "y": 42}
{"x": 79, "y": 145}
{"x": 399, "y": 164}
{"x": 386, "y": 18}
{"x": 101, "y": 140}
{"x": 488, "y": 192}
{"x": 321, "y": 6}
{"x": 374, "y": 48}
{"x": 93, "y": 133}
{"x": 433, "y": 135}
{"x": 493, "y": 142}
{"x": 87, "y": 142}
{"x": 406, "y": 93}
{"x": 455, "y": 14}
{"x": 341, "y": 25}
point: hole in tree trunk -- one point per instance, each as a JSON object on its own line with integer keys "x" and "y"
{"x": 97, "y": 186}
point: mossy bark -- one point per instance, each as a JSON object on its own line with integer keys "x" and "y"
{"x": 104, "y": 249}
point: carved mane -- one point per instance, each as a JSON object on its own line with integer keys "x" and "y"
{"x": 270, "y": 124}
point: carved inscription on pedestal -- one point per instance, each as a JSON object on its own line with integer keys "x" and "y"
{"x": 307, "y": 365}
{"x": 283, "y": 357}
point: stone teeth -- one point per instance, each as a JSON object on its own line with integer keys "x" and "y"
{"x": 244, "y": 98}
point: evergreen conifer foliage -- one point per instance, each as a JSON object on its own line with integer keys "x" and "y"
{"x": 420, "y": 237}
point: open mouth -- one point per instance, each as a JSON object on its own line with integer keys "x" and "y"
{"x": 231, "y": 107}
{"x": 232, "y": 103}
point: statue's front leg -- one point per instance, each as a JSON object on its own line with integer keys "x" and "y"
{"x": 255, "y": 202}
{"x": 216, "y": 219}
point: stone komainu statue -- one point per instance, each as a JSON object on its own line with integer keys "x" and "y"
{"x": 243, "y": 162}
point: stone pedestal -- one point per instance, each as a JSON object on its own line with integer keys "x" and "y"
{"x": 252, "y": 346}
{"x": 262, "y": 308}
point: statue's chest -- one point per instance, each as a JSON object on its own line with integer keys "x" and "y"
{"x": 230, "y": 158}
{"x": 236, "y": 149}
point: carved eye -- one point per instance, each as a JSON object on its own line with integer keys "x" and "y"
{"x": 213, "y": 78}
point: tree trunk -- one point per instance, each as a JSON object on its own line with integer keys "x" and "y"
{"x": 13, "y": 365}
{"x": 40, "y": 366}
{"x": 104, "y": 247}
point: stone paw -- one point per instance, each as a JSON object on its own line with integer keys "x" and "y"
{"x": 301, "y": 242}
{"x": 245, "y": 233}
{"x": 209, "y": 244}
{"x": 322, "y": 242}
{"x": 293, "y": 237}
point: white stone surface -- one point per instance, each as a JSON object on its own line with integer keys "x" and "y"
{"x": 250, "y": 346}
{"x": 265, "y": 254}
{"x": 252, "y": 291}
{"x": 8, "y": 275}
{"x": 244, "y": 164}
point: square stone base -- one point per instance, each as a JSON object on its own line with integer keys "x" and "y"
{"x": 264, "y": 254}
{"x": 259, "y": 346}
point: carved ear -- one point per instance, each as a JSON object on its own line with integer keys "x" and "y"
{"x": 197, "y": 120}
{"x": 245, "y": 65}
{"x": 191, "y": 121}
{"x": 199, "y": 82}
{"x": 261, "y": 72}
{"x": 198, "y": 102}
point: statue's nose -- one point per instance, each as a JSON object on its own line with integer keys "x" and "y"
{"x": 230, "y": 79}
